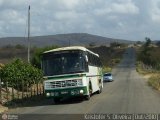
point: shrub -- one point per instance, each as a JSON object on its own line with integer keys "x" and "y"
{"x": 154, "y": 81}
{"x": 106, "y": 69}
{"x": 18, "y": 46}
{"x": 1, "y": 65}
{"x": 36, "y": 59}
{"x": 19, "y": 74}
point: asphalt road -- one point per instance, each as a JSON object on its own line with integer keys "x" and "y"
{"x": 128, "y": 93}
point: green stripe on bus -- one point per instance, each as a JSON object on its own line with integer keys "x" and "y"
{"x": 65, "y": 76}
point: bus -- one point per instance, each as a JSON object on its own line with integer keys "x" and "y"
{"x": 71, "y": 72}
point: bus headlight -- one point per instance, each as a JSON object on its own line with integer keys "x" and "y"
{"x": 81, "y": 91}
{"x": 47, "y": 94}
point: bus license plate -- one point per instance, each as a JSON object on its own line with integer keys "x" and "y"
{"x": 64, "y": 92}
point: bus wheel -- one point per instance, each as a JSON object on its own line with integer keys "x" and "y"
{"x": 90, "y": 92}
{"x": 56, "y": 100}
{"x": 100, "y": 90}
{"x": 87, "y": 97}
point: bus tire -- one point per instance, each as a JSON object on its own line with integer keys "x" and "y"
{"x": 100, "y": 90}
{"x": 87, "y": 97}
{"x": 56, "y": 100}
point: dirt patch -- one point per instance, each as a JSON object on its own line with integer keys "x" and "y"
{"x": 154, "y": 81}
{"x": 147, "y": 76}
{"x": 3, "y": 109}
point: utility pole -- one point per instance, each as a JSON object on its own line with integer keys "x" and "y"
{"x": 0, "y": 91}
{"x": 29, "y": 44}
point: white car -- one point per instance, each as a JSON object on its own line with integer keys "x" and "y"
{"x": 107, "y": 77}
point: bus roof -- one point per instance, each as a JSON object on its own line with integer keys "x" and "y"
{"x": 71, "y": 48}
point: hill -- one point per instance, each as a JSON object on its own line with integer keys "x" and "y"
{"x": 83, "y": 39}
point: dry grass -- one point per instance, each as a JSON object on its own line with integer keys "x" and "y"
{"x": 109, "y": 56}
{"x": 7, "y": 54}
{"x": 154, "y": 81}
{"x": 152, "y": 76}
{"x": 1, "y": 65}
{"x": 107, "y": 69}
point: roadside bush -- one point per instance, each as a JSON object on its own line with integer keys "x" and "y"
{"x": 36, "y": 59}
{"x": 108, "y": 54}
{"x": 115, "y": 61}
{"x": 18, "y": 46}
{"x": 106, "y": 69}
{"x": 20, "y": 75}
{"x": 154, "y": 81}
{"x": 149, "y": 55}
{"x": 1, "y": 65}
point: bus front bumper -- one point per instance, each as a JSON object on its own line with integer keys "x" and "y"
{"x": 66, "y": 92}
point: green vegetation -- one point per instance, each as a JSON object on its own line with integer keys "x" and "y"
{"x": 140, "y": 69}
{"x": 106, "y": 69}
{"x": 150, "y": 55}
{"x": 109, "y": 56}
{"x": 154, "y": 81}
{"x": 149, "y": 63}
{"x": 36, "y": 59}
{"x": 19, "y": 74}
{"x": 8, "y": 53}
{"x": 117, "y": 45}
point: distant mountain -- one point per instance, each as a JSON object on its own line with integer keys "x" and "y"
{"x": 83, "y": 39}
{"x": 157, "y": 42}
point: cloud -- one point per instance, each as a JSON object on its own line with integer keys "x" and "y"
{"x": 121, "y": 7}
{"x": 66, "y": 15}
{"x": 70, "y": 4}
{"x": 126, "y": 19}
{"x": 155, "y": 11}
{"x": 128, "y": 8}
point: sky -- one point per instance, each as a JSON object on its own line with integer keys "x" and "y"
{"x": 122, "y": 19}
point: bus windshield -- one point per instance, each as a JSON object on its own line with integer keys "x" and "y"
{"x": 63, "y": 62}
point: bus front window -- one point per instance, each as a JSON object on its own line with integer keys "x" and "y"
{"x": 63, "y": 63}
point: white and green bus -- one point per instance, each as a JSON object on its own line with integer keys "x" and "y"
{"x": 71, "y": 72}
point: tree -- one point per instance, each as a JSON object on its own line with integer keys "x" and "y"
{"x": 145, "y": 54}
{"x": 138, "y": 42}
{"x": 148, "y": 41}
{"x": 92, "y": 44}
{"x": 18, "y": 74}
{"x": 158, "y": 43}
{"x": 114, "y": 44}
{"x": 18, "y": 46}
{"x": 36, "y": 59}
